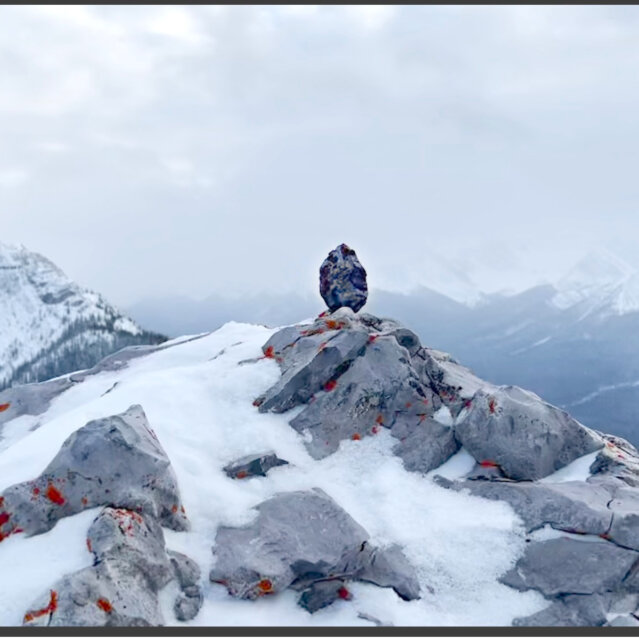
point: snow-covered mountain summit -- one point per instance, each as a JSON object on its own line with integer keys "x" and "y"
{"x": 600, "y": 282}
{"x": 50, "y": 325}
{"x": 341, "y": 473}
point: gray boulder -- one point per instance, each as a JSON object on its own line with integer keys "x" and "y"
{"x": 343, "y": 280}
{"x": 426, "y": 445}
{"x": 299, "y": 539}
{"x": 121, "y": 587}
{"x": 313, "y": 363}
{"x": 571, "y": 610}
{"x": 253, "y": 466}
{"x": 571, "y": 506}
{"x": 526, "y": 437}
{"x": 30, "y": 399}
{"x": 115, "y": 461}
{"x": 378, "y": 389}
{"x": 569, "y": 566}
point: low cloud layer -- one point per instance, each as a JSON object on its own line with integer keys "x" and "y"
{"x": 199, "y": 149}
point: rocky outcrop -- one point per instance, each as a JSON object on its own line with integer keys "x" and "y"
{"x": 356, "y": 374}
{"x": 115, "y": 461}
{"x": 343, "y": 280}
{"x": 130, "y": 567}
{"x": 303, "y": 540}
{"x": 526, "y": 437}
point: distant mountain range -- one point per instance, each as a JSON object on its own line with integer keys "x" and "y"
{"x": 574, "y": 342}
{"x": 50, "y": 325}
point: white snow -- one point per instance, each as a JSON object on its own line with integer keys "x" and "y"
{"x": 198, "y": 399}
{"x": 577, "y": 470}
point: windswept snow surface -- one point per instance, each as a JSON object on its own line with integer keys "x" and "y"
{"x": 198, "y": 397}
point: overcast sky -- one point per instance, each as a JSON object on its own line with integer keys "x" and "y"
{"x": 160, "y": 150}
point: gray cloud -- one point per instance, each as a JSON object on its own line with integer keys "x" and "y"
{"x": 200, "y": 149}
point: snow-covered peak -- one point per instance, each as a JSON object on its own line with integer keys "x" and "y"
{"x": 599, "y": 281}
{"x": 43, "y": 309}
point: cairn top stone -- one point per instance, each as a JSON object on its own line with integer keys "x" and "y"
{"x": 343, "y": 280}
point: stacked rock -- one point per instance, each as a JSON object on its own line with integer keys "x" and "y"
{"x": 343, "y": 280}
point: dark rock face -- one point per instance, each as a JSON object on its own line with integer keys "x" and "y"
{"x": 526, "y": 437}
{"x": 304, "y": 540}
{"x": 343, "y": 280}
{"x": 121, "y": 588}
{"x": 114, "y": 461}
{"x": 253, "y": 466}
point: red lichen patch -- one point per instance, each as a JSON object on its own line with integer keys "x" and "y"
{"x": 323, "y": 314}
{"x": 104, "y": 604}
{"x": 4, "y": 518}
{"x": 422, "y": 417}
{"x": 372, "y": 338}
{"x": 1, "y": 502}
{"x": 4, "y": 407}
{"x": 492, "y": 405}
{"x": 344, "y": 593}
{"x": 265, "y": 586}
{"x": 126, "y": 520}
{"x": 269, "y": 352}
{"x": 332, "y": 325}
{"x": 468, "y": 403}
{"x": 49, "y": 610}
{"x": 424, "y": 401}
{"x": 84, "y": 501}
{"x": 605, "y": 536}
{"x": 356, "y": 437}
{"x": 408, "y": 404}
{"x": 312, "y": 331}
{"x": 375, "y": 430}
{"x": 258, "y": 401}
{"x": 487, "y": 463}
{"x": 36, "y": 490}
{"x": 330, "y": 385}
{"x": 241, "y": 475}
{"x": 54, "y": 495}
{"x": 322, "y": 346}
{"x": 174, "y": 508}
{"x": 89, "y": 547}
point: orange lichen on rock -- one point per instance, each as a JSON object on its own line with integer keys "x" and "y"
{"x": 265, "y": 586}
{"x": 487, "y": 463}
{"x": 356, "y": 437}
{"x": 89, "y": 546}
{"x": 330, "y": 385}
{"x": 49, "y": 610}
{"x": 54, "y": 495}
{"x": 343, "y": 593}
{"x": 4, "y": 407}
{"x": 104, "y": 604}
{"x": 241, "y": 475}
{"x": 126, "y": 520}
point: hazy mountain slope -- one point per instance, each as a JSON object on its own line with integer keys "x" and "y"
{"x": 50, "y": 325}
